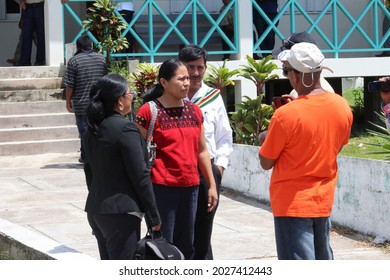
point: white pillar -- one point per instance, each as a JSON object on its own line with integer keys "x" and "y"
{"x": 245, "y": 30}
{"x": 54, "y": 33}
{"x": 245, "y": 47}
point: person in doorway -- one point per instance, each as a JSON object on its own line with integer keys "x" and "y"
{"x": 227, "y": 26}
{"x": 218, "y": 138}
{"x": 82, "y": 71}
{"x": 18, "y": 48}
{"x": 181, "y": 149}
{"x": 126, "y": 9}
{"x": 34, "y": 22}
{"x": 120, "y": 192}
{"x": 385, "y": 28}
{"x": 270, "y": 8}
{"x": 302, "y": 144}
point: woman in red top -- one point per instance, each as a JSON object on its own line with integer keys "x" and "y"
{"x": 181, "y": 149}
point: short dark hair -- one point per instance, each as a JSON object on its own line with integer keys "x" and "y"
{"x": 84, "y": 43}
{"x": 295, "y": 38}
{"x": 192, "y": 52}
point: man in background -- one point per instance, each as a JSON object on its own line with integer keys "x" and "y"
{"x": 385, "y": 28}
{"x": 219, "y": 142}
{"x": 227, "y": 26}
{"x": 82, "y": 71}
{"x": 270, "y": 8}
{"x": 126, "y": 9}
{"x": 34, "y": 22}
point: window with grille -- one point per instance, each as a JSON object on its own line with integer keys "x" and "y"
{"x": 9, "y": 10}
{"x": 212, "y": 7}
{"x": 308, "y": 5}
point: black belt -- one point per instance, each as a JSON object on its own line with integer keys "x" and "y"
{"x": 32, "y": 5}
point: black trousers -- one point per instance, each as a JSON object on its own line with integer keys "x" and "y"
{"x": 204, "y": 220}
{"x": 128, "y": 16}
{"x": 230, "y": 34}
{"x": 117, "y": 235}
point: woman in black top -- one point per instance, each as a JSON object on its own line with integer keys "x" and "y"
{"x": 118, "y": 180}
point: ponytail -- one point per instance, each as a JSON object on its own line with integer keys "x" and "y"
{"x": 155, "y": 92}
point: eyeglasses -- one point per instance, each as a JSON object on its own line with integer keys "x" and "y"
{"x": 287, "y": 69}
{"x": 129, "y": 93}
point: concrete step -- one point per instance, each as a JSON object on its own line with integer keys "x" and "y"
{"x": 33, "y": 116}
{"x": 30, "y": 83}
{"x": 32, "y": 95}
{"x": 31, "y": 72}
{"x": 36, "y": 107}
{"x": 39, "y": 147}
{"x": 37, "y": 120}
{"x": 38, "y": 133}
{"x": 20, "y": 108}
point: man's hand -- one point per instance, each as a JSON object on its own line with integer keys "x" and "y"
{"x": 261, "y": 137}
{"x": 69, "y": 106}
{"x": 385, "y": 95}
{"x": 64, "y": 1}
{"x": 212, "y": 201}
{"x": 221, "y": 169}
{"x": 23, "y": 4}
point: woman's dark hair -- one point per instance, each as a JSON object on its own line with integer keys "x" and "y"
{"x": 104, "y": 96}
{"x": 167, "y": 70}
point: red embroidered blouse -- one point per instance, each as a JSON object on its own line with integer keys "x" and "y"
{"x": 176, "y": 133}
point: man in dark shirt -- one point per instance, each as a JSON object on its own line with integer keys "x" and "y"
{"x": 83, "y": 70}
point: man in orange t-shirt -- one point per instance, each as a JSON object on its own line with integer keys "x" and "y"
{"x": 302, "y": 144}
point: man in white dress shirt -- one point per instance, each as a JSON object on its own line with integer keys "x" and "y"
{"x": 218, "y": 137}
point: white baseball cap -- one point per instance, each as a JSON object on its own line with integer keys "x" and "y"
{"x": 304, "y": 57}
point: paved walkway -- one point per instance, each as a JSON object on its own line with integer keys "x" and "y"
{"x": 43, "y": 196}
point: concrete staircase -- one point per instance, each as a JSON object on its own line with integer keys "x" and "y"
{"x": 33, "y": 117}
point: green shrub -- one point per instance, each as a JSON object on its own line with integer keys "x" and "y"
{"x": 245, "y": 121}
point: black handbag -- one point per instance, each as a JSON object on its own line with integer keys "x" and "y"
{"x": 155, "y": 247}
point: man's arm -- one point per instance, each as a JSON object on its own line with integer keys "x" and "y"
{"x": 69, "y": 94}
{"x": 267, "y": 163}
{"x": 223, "y": 137}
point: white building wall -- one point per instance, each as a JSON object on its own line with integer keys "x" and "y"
{"x": 10, "y": 32}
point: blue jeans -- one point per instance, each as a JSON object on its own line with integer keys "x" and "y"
{"x": 33, "y": 22}
{"x": 81, "y": 122}
{"x": 303, "y": 238}
{"x": 177, "y": 207}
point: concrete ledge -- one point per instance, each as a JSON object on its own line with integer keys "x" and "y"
{"x": 361, "y": 196}
{"x": 28, "y": 245}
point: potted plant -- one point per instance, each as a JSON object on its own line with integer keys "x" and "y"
{"x": 259, "y": 72}
{"x": 106, "y": 26}
{"x": 219, "y": 77}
